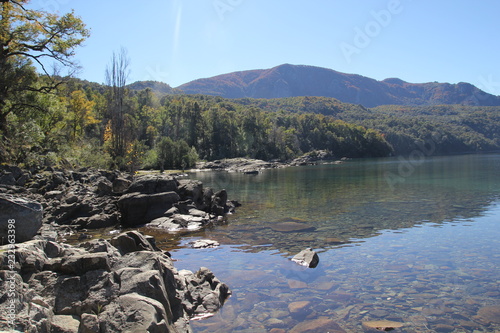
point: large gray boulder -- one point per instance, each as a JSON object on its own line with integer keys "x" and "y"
{"x": 65, "y": 324}
{"x": 137, "y": 208}
{"x": 135, "y": 313}
{"x": 150, "y": 184}
{"x": 204, "y": 293}
{"x": 120, "y": 185}
{"x": 11, "y": 175}
{"x": 24, "y": 217}
{"x": 131, "y": 241}
{"x": 219, "y": 203}
{"x": 191, "y": 190}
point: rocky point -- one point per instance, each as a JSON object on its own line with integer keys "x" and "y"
{"x": 121, "y": 284}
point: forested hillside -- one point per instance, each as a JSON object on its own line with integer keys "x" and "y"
{"x": 454, "y": 128}
{"x": 170, "y": 131}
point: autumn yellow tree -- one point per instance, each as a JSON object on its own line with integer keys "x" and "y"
{"x": 31, "y": 37}
{"x": 80, "y": 113}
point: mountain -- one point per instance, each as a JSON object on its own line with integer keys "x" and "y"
{"x": 158, "y": 87}
{"x": 298, "y": 80}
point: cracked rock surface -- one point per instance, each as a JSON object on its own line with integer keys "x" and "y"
{"x": 124, "y": 284}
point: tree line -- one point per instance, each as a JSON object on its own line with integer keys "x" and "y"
{"x": 454, "y": 128}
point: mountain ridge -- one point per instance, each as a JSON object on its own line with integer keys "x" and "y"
{"x": 302, "y": 80}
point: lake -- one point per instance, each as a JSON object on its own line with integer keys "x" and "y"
{"x": 412, "y": 242}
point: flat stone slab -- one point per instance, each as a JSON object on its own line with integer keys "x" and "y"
{"x": 204, "y": 244}
{"x": 178, "y": 222}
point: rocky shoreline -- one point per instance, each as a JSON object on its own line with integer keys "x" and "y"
{"x": 252, "y": 166}
{"x": 93, "y": 199}
{"x": 122, "y": 284}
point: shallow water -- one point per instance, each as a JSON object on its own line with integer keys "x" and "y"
{"x": 416, "y": 244}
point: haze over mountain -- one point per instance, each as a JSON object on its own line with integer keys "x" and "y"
{"x": 299, "y": 80}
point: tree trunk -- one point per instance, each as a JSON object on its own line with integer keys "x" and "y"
{"x": 116, "y": 78}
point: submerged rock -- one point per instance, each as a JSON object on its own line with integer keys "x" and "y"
{"x": 382, "y": 325}
{"x": 300, "y": 309}
{"x": 322, "y": 324}
{"x": 296, "y": 284}
{"x": 291, "y": 227}
{"x": 489, "y": 314}
{"x": 307, "y": 258}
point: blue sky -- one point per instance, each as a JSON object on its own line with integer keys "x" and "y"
{"x": 176, "y": 41}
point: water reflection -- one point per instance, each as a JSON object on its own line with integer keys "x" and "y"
{"x": 430, "y": 279}
{"x": 433, "y": 265}
{"x": 352, "y": 200}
